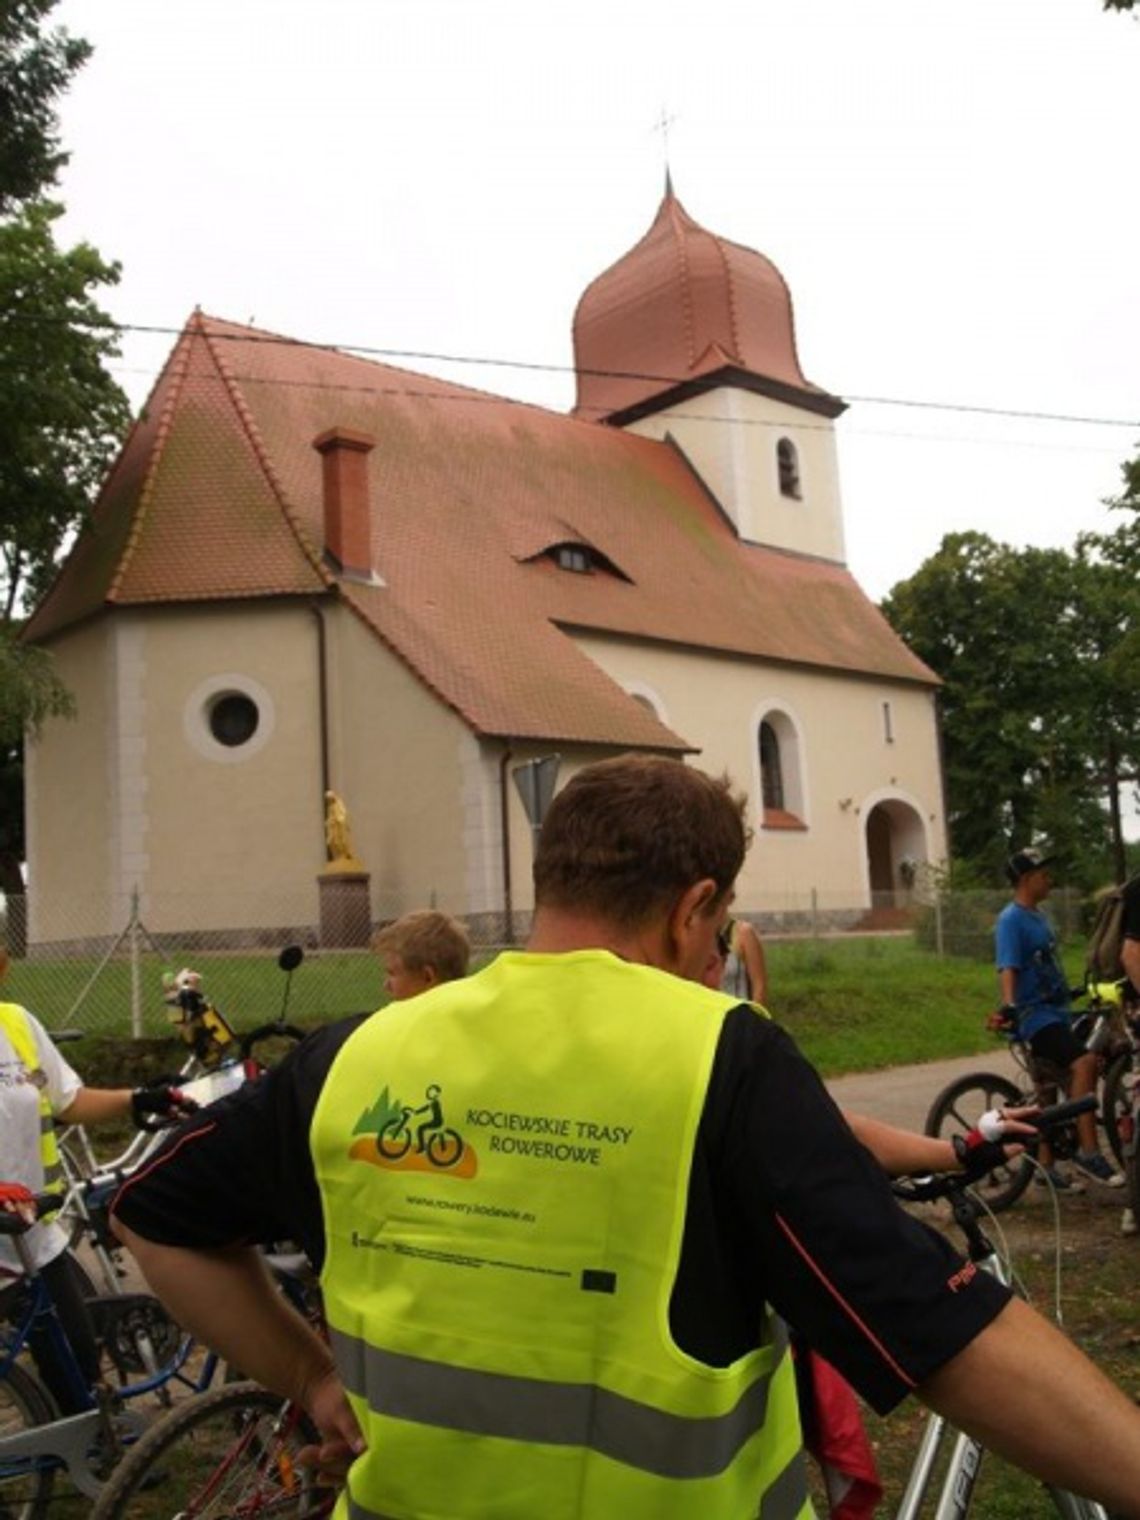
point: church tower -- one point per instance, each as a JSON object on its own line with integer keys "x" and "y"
{"x": 691, "y": 337}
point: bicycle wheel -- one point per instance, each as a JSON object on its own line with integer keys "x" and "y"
{"x": 394, "y": 1139}
{"x": 230, "y": 1452}
{"x": 24, "y": 1403}
{"x": 958, "y": 1107}
{"x": 444, "y": 1148}
{"x": 1118, "y": 1103}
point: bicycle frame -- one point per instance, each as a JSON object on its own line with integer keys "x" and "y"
{"x": 70, "y": 1442}
{"x": 966, "y": 1457}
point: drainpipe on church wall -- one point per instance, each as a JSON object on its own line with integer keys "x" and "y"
{"x": 504, "y": 807}
{"x": 322, "y": 702}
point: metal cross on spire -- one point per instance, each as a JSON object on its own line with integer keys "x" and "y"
{"x": 662, "y": 125}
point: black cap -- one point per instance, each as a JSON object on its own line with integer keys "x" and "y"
{"x": 1021, "y": 862}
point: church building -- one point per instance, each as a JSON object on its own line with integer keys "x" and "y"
{"x": 308, "y": 572}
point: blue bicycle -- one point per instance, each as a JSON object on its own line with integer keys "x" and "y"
{"x": 36, "y": 1442}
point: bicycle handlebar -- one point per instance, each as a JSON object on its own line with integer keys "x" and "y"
{"x": 44, "y": 1203}
{"x": 954, "y": 1184}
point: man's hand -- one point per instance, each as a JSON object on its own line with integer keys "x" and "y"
{"x": 17, "y": 1199}
{"x": 341, "y": 1439}
{"x": 992, "y": 1142}
{"x": 160, "y": 1102}
{"x": 1003, "y": 1019}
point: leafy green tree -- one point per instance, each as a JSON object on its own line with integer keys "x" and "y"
{"x": 1039, "y": 701}
{"x": 61, "y": 413}
{"x": 35, "y": 69}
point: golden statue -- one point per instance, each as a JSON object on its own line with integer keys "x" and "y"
{"x": 338, "y": 840}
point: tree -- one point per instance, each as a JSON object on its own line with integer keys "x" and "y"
{"x": 1039, "y": 701}
{"x": 35, "y": 69}
{"x": 61, "y": 413}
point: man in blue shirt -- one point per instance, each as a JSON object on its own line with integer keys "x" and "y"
{"x": 1034, "y": 991}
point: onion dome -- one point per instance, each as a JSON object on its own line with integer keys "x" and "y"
{"x": 681, "y": 312}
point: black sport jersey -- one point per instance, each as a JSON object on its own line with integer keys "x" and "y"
{"x": 784, "y": 1207}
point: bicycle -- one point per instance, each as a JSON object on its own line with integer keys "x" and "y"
{"x": 955, "y": 1107}
{"x": 36, "y": 1443}
{"x": 231, "y": 1452}
{"x": 218, "y": 1062}
{"x": 966, "y": 1456}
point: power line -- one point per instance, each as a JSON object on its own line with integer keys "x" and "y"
{"x": 536, "y": 367}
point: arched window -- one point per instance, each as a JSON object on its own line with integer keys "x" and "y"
{"x": 771, "y": 771}
{"x": 782, "y": 787}
{"x": 788, "y": 465}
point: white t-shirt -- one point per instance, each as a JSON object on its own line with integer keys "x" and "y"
{"x": 20, "y": 1159}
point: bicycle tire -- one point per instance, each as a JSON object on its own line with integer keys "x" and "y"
{"x": 394, "y": 1140}
{"x": 24, "y": 1404}
{"x": 958, "y": 1107}
{"x": 1118, "y": 1101}
{"x": 222, "y": 1453}
{"x": 444, "y": 1148}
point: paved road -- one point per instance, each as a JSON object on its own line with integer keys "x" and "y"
{"x": 903, "y": 1094}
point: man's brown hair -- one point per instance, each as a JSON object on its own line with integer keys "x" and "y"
{"x": 627, "y": 836}
{"x": 426, "y": 938}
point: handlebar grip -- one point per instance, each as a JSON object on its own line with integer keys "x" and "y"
{"x": 45, "y": 1203}
{"x": 1061, "y": 1113}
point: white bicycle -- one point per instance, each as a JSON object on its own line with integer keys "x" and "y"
{"x": 966, "y": 1454}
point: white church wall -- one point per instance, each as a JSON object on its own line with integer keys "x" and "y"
{"x": 844, "y": 756}
{"x": 730, "y": 437}
{"x": 69, "y": 797}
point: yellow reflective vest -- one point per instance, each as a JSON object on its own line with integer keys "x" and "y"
{"x": 504, "y": 1164}
{"x": 15, "y": 1024}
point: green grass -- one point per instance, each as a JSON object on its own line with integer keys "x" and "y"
{"x": 855, "y": 1004}
{"x": 862, "y": 1004}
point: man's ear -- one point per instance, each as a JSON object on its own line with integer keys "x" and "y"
{"x": 430, "y": 976}
{"x": 688, "y": 911}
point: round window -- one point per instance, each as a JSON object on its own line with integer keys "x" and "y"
{"x": 233, "y": 719}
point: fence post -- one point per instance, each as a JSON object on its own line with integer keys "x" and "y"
{"x": 814, "y": 914}
{"x": 136, "y": 968}
{"x": 939, "y": 946}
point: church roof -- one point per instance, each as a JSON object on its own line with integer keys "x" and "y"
{"x": 218, "y": 495}
{"x": 681, "y": 311}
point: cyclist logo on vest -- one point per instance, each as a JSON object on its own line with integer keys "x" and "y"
{"x": 412, "y": 1137}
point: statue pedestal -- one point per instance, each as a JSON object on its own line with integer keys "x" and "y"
{"x": 346, "y": 911}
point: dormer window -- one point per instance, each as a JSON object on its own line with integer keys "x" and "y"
{"x": 581, "y": 559}
{"x": 573, "y": 557}
{"x": 788, "y": 466}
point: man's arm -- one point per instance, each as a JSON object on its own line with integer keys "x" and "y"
{"x": 1130, "y": 958}
{"x": 227, "y": 1299}
{"x": 899, "y": 1151}
{"x": 751, "y": 952}
{"x": 1024, "y": 1390}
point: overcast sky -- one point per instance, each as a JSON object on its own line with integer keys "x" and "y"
{"x": 948, "y": 189}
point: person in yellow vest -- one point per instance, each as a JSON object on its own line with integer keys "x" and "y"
{"x": 37, "y": 1089}
{"x": 565, "y": 1299}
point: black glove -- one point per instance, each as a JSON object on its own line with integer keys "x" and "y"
{"x": 162, "y": 1102}
{"x": 976, "y": 1155}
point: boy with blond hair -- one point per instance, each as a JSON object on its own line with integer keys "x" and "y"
{"x": 421, "y": 950}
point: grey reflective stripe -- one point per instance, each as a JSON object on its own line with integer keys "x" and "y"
{"x": 356, "y": 1511}
{"x": 785, "y": 1498}
{"x": 556, "y": 1414}
{"x": 53, "y": 1176}
{"x": 47, "y": 1124}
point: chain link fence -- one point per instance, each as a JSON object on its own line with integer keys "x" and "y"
{"x": 112, "y": 982}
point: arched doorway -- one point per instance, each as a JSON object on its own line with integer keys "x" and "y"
{"x": 896, "y": 847}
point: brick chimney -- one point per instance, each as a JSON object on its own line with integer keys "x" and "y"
{"x": 348, "y": 518}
